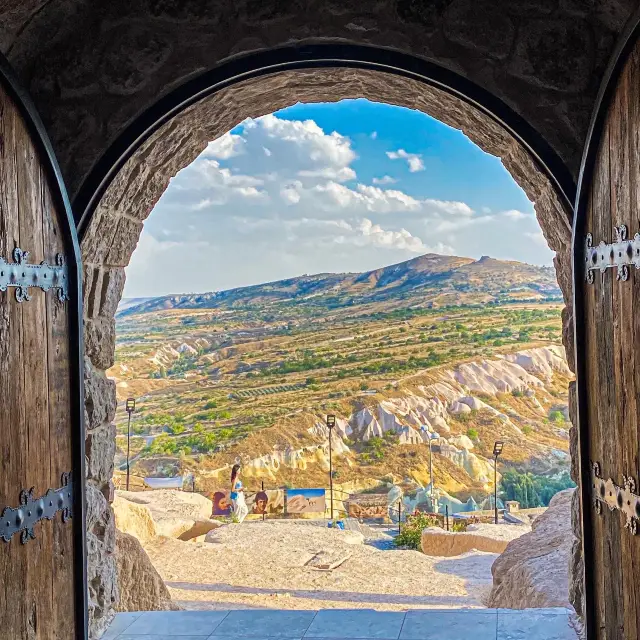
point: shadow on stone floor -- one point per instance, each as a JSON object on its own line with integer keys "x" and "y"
{"x": 336, "y": 596}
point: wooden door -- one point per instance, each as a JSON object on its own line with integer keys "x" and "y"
{"x": 42, "y": 559}
{"x": 607, "y": 296}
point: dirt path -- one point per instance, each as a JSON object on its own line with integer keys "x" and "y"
{"x": 271, "y": 565}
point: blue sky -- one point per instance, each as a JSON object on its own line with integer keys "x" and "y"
{"x": 348, "y": 186}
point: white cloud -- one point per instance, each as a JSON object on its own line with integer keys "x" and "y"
{"x": 290, "y": 193}
{"x": 449, "y": 207}
{"x": 341, "y": 174}
{"x": 536, "y": 237}
{"x": 225, "y": 147}
{"x": 514, "y": 214}
{"x": 332, "y": 149}
{"x": 375, "y": 235}
{"x": 384, "y": 180}
{"x": 374, "y": 135}
{"x": 414, "y": 160}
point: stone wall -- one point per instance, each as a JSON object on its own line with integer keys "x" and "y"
{"x": 116, "y": 226}
{"x": 93, "y": 67}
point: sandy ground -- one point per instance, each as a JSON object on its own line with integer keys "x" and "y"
{"x": 265, "y": 565}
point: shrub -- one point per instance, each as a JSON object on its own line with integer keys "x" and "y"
{"x": 411, "y": 531}
{"x": 526, "y": 430}
{"x": 472, "y": 433}
{"x": 459, "y": 526}
{"x": 556, "y": 416}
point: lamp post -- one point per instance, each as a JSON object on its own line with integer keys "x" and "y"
{"x": 130, "y": 407}
{"x": 331, "y": 422}
{"x": 497, "y": 450}
{"x": 431, "y": 436}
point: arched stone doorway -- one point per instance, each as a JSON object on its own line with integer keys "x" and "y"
{"x": 111, "y": 233}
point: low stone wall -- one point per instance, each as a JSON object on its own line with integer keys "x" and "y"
{"x": 437, "y": 542}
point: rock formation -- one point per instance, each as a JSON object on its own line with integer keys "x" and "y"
{"x": 533, "y": 571}
{"x": 419, "y": 413}
{"x": 141, "y": 587}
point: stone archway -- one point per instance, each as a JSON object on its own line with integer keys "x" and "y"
{"x": 114, "y": 230}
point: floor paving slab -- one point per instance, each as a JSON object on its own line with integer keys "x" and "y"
{"x": 175, "y": 624}
{"x": 266, "y": 623}
{"x": 450, "y": 625}
{"x": 532, "y": 625}
{"x": 356, "y": 623}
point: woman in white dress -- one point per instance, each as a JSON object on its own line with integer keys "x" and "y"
{"x": 240, "y": 509}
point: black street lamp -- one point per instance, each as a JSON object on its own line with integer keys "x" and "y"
{"x": 130, "y": 407}
{"x": 331, "y": 422}
{"x": 431, "y": 436}
{"x": 497, "y": 450}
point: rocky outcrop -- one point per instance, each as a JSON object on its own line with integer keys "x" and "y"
{"x": 173, "y": 514}
{"x": 533, "y": 571}
{"x": 169, "y": 503}
{"x": 438, "y": 542}
{"x": 133, "y": 519}
{"x": 141, "y": 587}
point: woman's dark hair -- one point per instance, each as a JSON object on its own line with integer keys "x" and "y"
{"x": 234, "y": 474}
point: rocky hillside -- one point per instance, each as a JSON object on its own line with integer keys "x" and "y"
{"x": 463, "y": 408}
{"x": 428, "y": 279}
{"x": 251, "y": 374}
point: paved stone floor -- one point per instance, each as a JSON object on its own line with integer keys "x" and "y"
{"x": 344, "y": 624}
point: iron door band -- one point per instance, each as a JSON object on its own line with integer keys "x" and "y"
{"x": 21, "y": 275}
{"x": 621, "y": 254}
{"x": 623, "y": 499}
{"x": 23, "y": 518}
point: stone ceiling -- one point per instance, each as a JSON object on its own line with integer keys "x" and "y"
{"x": 93, "y": 67}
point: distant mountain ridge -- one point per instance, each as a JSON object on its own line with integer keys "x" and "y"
{"x": 429, "y": 280}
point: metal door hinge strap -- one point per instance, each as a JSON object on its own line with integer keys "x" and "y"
{"x": 617, "y": 498}
{"x": 22, "y": 519}
{"x": 621, "y": 254}
{"x": 21, "y": 275}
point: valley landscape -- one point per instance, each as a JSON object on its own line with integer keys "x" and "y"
{"x": 463, "y": 351}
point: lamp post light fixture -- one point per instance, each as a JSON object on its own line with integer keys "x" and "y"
{"x": 130, "y": 407}
{"x": 498, "y": 445}
{"x": 331, "y": 422}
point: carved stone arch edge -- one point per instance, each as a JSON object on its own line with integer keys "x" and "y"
{"x": 308, "y": 57}
{"x": 10, "y": 83}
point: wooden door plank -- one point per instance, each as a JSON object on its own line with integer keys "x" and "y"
{"x": 38, "y": 582}
{"x": 14, "y": 564}
{"x": 60, "y": 420}
{"x": 633, "y": 455}
{"x": 592, "y": 300}
{"x": 622, "y": 446}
